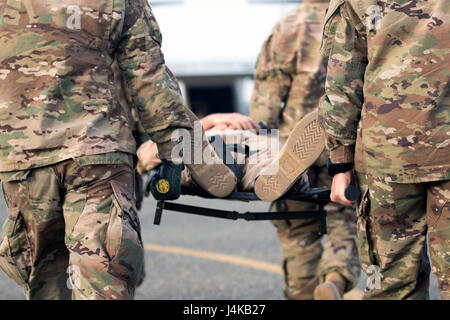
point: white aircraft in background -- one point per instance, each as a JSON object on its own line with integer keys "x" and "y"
{"x": 212, "y": 47}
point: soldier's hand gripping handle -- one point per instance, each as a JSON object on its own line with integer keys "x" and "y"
{"x": 343, "y": 190}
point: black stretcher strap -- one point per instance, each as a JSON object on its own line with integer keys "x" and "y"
{"x": 317, "y": 195}
{"x": 234, "y": 215}
{"x": 319, "y": 214}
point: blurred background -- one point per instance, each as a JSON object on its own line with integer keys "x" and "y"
{"x": 212, "y": 47}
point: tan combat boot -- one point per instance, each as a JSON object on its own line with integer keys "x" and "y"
{"x": 304, "y": 145}
{"x": 332, "y": 289}
{"x": 216, "y": 178}
{"x": 206, "y": 167}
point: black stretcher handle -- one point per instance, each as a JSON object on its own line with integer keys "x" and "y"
{"x": 352, "y": 193}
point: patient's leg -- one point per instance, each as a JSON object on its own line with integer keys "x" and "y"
{"x": 262, "y": 151}
{"x": 248, "y": 150}
{"x": 253, "y": 152}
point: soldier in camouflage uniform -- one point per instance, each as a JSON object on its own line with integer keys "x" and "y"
{"x": 290, "y": 71}
{"x": 386, "y": 110}
{"x": 66, "y": 143}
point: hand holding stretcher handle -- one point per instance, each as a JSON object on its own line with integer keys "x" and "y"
{"x": 349, "y": 182}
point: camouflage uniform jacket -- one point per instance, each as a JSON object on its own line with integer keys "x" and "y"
{"x": 290, "y": 70}
{"x": 58, "y": 99}
{"x": 387, "y": 97}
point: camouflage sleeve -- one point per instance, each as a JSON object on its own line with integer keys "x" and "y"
{"x": 153, "y": 88}
{"x": 340, "y": 108}
{"x": 273, "y": 77}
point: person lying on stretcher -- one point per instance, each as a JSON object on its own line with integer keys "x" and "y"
{"x": 252, "y": 154}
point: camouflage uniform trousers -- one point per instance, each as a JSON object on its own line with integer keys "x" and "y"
{"x": 77, "y": 219}
{"x": 393, "y": 222}
{"x": 305, "y": 261}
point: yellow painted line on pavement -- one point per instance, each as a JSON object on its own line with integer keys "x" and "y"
{"x": 227, "y": 258}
